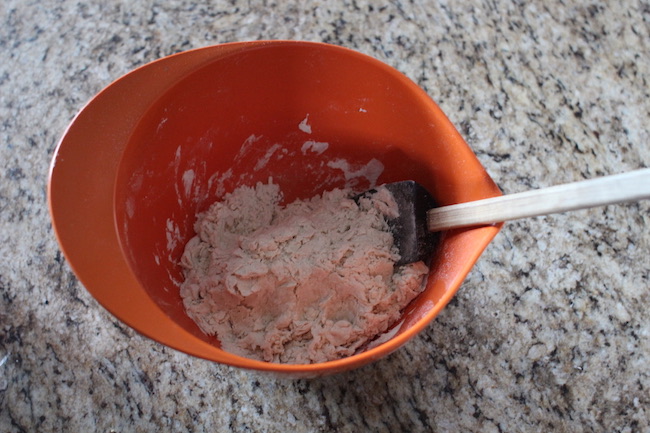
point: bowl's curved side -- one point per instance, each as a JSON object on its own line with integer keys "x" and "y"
{"x": 81, "y": 186}
{"x": 85, "y": 182}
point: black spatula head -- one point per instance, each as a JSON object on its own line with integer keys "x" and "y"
{"x": 411, "y": 236}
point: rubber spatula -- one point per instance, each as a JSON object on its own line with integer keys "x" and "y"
{"x": 414, "y": 230}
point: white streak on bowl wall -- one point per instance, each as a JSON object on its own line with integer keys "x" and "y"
{"x": 317, "y": 147}
{"x": 188, "y": 179}
{"x": 177, "y": 156}
{"x": 217, "y": 180}
{"x": 304, "y": 126}
{"x": 261, "y": 163}
{"x": 136, "y": 183}
{"x": 371, "y": 171}
{"x": 246, "y": 146}
{"x": 172, "y": 234}
{"x": 130, "y": 207}
{"x": 137, "y": 180}
{"x": 160, "y": 125}
{"x": 175, "y": 166}
{"x": 173, "y": 279}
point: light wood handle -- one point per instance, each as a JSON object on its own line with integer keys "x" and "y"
{"x": 619, "y": 188}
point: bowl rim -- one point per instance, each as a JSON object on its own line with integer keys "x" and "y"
{"x": 81, "y": 190}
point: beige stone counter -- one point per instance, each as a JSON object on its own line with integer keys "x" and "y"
{"x": 550, "y": 332}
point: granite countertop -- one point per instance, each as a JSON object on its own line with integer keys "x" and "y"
{"x": 548, "y": 333}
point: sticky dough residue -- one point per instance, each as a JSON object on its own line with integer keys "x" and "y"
{"x": 263, "y": 161}
{"x": 188, "y": 178}
{"x": 370, "y": 171}
{"x": 304, "y": 126}
{"x": 352, "y": 174}
{"x": 317, "y": 147}
{"x": 312, "y": 281}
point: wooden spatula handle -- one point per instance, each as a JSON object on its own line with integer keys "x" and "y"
{"x": 619, "y": 188}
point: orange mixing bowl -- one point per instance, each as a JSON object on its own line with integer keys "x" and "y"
{"x": 165, "y": 141}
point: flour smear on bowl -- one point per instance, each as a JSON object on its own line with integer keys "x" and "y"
{"x": 311, "y": 281}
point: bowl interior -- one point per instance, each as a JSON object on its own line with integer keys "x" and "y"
{"x": 312, "y": 117}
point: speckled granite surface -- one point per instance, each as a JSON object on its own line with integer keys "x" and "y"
{"x": 550, "y": 331}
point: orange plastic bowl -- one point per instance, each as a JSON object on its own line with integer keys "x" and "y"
{"x": 163, "y": 142}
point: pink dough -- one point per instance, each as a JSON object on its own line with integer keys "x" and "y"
{"x": 311, "y": 281}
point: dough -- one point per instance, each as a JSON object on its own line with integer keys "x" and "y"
{"x": 311, "y": 281}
